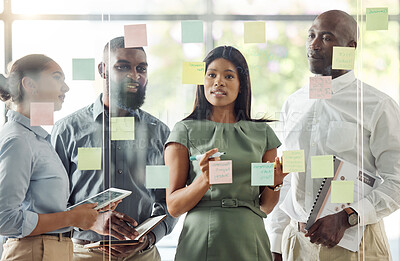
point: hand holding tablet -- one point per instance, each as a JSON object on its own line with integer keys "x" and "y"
{"x": 105, "y": 198}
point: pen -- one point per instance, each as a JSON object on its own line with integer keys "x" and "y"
{"x": 215, "y": 155}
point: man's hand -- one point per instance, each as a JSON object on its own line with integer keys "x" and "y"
{"x": 125, "y": 251}
{"x": 276, "y": 256}
{"x": 329, "y": 230}
{"x": 114, "y": 223}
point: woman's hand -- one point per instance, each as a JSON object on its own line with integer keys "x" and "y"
{"x": 84, "y": 216}
{"x": 278, "y": 172}
{"x": 112, "y": 206}
{"x": 204, "y": 163}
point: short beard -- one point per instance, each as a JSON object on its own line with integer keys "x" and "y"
{"x": 125, "y": 100}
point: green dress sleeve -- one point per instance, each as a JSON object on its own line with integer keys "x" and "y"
{"x": 272, "y": 139}
{"x": 179, "y": 134}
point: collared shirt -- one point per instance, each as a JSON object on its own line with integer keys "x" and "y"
{"x": 124, "y": 163}
{"x": 32, "y": 178}
{"x": 329, "y": 127}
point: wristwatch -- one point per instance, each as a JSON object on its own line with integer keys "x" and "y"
{"x": 276, "y": 188}
{"x": 352, "y": 216}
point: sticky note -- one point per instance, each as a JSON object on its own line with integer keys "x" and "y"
{"x": 262, "y": 174}
{"x": 342, "y": 191}
{"x": 122, "y": 128}
{"x": 220, "y": 171}
{"x": 377, "y": 18}
{"x": 157, "y": 177}
{"x": 193, "y": 72}
{"x": 89, "y": 158}
{"x": 343, "y": 58}
{"x": 254, "y": 32}
{"x": 322, "y": 166}
{"x": 320, "y": 87}
{"x": 42, "y": 113}
{"x": 293, "y": 161}
{"x": 135, "y": 35}
{"x": 83, "y": 69}
{"x": 192, "y": 31}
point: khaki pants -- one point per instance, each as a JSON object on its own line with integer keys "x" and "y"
{"x": 83, "y": 254}
{"x": 297, "y": 247}
{"x": 38, "y": 248}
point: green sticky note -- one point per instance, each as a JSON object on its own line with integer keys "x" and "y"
{"x": 89, "y": 158}
{"x": 157, "y": 177}
{"x": 293, "y": 161}
{"x": 343, "y": 58}
{"x": 192, "y": 31}
{"x": 83, "y": 69}
{"x": 262, "y": 174}
{"x": 122, "y": 128}
{"x": 254, "y": 32}
{"x": 342, "y": 191}
{"x": 377, "y": 18}
{"x": 193, "y": 72}
{"x": 322, "y": 166}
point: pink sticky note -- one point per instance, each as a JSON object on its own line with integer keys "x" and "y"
{"x": 321, "y": 87}
{"x": 42, "y": 113}
{"x": 220, "y": 171}
{"x": 135, "y": 35}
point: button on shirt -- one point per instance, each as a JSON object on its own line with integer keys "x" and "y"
{"x": 32, "y": 178}
{"x": 124, "y": 163}
{"x": 329, "y": 127}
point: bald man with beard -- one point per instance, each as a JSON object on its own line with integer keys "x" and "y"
{"x": 329, "y": 127}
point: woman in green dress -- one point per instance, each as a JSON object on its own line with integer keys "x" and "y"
{"x": 224, "y": 221}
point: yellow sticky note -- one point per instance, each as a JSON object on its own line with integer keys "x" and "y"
{"x": 342, "y": 191}
{"x": 293, "y": 161}
{"x": 377, "y": 18}
{"x": 122, "y": 128}
{"x": 343, "y": 58}
{"x": 89, "y": 158}
{"x": 322, "y": 166}
{"x": 254, "y": 32}
{"x": 193, "y": 72}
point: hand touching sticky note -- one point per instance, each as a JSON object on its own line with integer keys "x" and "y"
{"x": 135, "y": 35}
{"x": 192, "y": 31}
{"x": 42, "y": 113}
{"x": 293, "y": 161}
{"x": 83, "y": 69}
{"x": 320, "y": 87}
{"x": 157, "y": 177}
{"x": 220, "y": 171}
{"x": 377, "y": 18}
{"x": 343, "y": 58}
{"x": 254, "y": 32}
{"x": 262, "y": 174}
{"x": 342, "y": 191}
{"x": 122, "y": 128}
{"x": 322, "y": 166}
{"x": 193, "y": 72}
{"x": 89, "y": 158}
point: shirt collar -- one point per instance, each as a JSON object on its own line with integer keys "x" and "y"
{"x": 26, "y": 122}
{"x": 98, "y": 109}
{"x": 343, "y": 81}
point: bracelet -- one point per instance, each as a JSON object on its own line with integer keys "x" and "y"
{"x": 276, "y": 187}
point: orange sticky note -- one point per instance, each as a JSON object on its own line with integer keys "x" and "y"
{"x": 135, "y": 35}
{"x": 320, "y": 87}
{"x": 220, "y": 171}
{"x": 42, "y": 113}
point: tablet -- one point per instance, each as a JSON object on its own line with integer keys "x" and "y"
{"x": 142, "y": 229}
{"x": 104, "y": 198}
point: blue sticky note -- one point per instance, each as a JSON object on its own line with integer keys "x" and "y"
{"x": 83, "y": 69}
{"x": 157, "y": 177}
{"x": 192, "y": 31}
{"x": 262, "y": 174}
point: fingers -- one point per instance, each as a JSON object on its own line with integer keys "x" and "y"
{"x": 123, "y": 225}
{"x": 209, "y": 153}
{"x": 312, "y": 229}
{"x": 126, "y": 218}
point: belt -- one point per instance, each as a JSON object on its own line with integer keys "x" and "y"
{"x": 253, "y": 205}
{"x": 81, "y": 241}
{"x": 300, "y": 226}
{"x": 68, "y": 234}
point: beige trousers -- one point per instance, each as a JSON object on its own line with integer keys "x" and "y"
{"x": 83, "y": 254}
{"x": 297, "y": 247}
{"x": 37, "y": 248}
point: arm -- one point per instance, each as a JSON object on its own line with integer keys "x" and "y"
{"x": 182, "y": 198}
